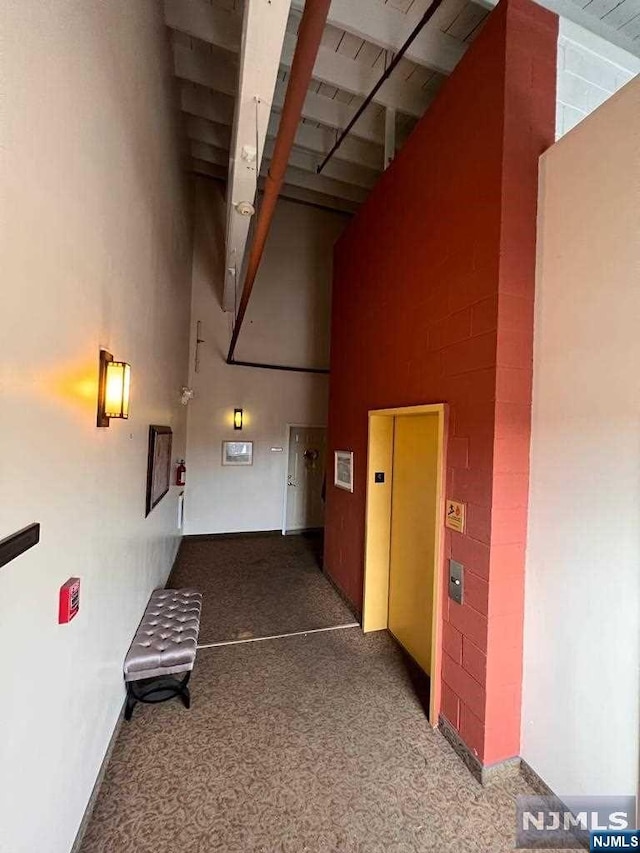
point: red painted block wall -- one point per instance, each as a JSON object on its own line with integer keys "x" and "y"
{"x": 433, "y": 302}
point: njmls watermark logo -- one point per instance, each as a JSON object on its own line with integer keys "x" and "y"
{"x": 547, "y": 823}
{"x": 615, "y": 839}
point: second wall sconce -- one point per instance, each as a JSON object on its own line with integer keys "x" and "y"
{"x": 238, "y": 417}
{"x": 114, "y": 384}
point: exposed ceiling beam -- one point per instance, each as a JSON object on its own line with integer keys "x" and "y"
{"x": 296, "y": 175}
{"x": 213, "y": 133}
{"x": 206, "y": 21}
{"x": 198, "y": 101}
{"x": 379, "y": 24}
{"x": 218, "y": 71}
{"x": 217, "y": 135}
{"x": 326, "y": 186}
{"x": 347, "y": 74}
{"x": 215, "y": 71}
{"x": 320, "y": 140}
{"x": 333, "y": 113}
{"x": 208, "y": 170}
{"x": 349, "y": 173}
{"x": 263, "y": 29}
{"x": 312, "y": 197}
{"x": 213, "y": 106}
{"x": 203, "y": 167}
{"x": 388, "y": 28}
{"x": 212, "y": 25}
{"x": 209, "y": 153}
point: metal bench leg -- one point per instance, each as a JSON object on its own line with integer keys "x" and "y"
{"x": 185, "y": 695}
{"x": 131, "y": 702}
{"x": 154, "y": 690}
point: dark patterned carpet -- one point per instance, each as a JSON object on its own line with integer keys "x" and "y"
{"x": 258, "y": 586}
{"x": 314, "y": 743}
{"x": 309, "y": 744}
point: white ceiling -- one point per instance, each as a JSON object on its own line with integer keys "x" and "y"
{"x": 206, "y": 38}
{"x": 215, "y": 60}
{"x": 351, "y": 59}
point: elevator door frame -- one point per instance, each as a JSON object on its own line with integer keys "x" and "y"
{"x": 375, "y": 615}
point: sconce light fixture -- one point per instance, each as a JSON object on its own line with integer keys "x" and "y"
{"x": 238, "y": 417}
{"x": 113, "y": 389}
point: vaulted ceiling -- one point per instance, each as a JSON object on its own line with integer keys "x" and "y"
{"x": 233, "y": 66}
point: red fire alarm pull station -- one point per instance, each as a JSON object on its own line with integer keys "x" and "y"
{"x": 69, "y": 600}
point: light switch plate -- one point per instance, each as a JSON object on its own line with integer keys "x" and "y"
{"x": 456, "y": 574}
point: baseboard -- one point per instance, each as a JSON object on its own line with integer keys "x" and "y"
{"x": 302, "y": 531}
{"x": 84, "y": 823}
{"x": 543, "y": 790}
{"x": 112, "y": 741}
{"x": 356, "y": 612}
{"x": 534, "y": 781}
{"x": 486, "y": 774}
{"x": 197, "y": 537}
{"x": 491, "y": 773}
{"x": 174, "y": 564}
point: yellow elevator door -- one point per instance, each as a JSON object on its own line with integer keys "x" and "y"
{"x": 413, "y": 531}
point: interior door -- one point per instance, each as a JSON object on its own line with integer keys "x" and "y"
{"x": 305, "y": 475}
{"x": 413, "y": 534}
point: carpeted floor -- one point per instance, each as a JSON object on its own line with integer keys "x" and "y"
{"x": 307, "y": 744}
{"x": 258, "y": 586}
{"x": 314, "y": 743}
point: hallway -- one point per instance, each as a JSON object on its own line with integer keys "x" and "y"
{"x": 258, "y": 586}
{"x": 255, "y": 232}
{"x": 305, "y": 743}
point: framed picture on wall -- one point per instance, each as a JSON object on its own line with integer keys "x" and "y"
{"x": 237, "y": 453}
{"x": 343, "y": 470}
{"x": 158, "y": 465}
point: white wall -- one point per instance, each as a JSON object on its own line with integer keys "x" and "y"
{"x": 95, "y": 251}
{"x": 287, "y": 323}
{"x": 289, "y": 315}
{"x": 582, "y": 656}
{"x": 590, "y": 70}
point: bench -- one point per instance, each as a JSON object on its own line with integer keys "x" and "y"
{"x": 164, "y": 646}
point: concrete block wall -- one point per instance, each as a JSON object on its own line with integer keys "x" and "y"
{"x": 433, "y": 302}
{"x": 590, "y": 70}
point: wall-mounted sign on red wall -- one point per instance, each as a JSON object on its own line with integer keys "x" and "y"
{"x": 455, "y": 515}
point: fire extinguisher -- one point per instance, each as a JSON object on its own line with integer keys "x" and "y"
{"x": 181, "y": 473}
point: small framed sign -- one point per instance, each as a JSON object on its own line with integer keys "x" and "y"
{"x": 343, "y": 470}
{"x": 455, "y": 516}
{"x": 237, "y": 453}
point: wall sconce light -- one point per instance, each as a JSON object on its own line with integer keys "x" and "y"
{"x": 238, "y": 416}
{"x": 113, "y": 389}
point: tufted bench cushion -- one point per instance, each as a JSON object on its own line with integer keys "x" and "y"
{"x": 165, "y": 644}
{"x": 166, "y": 640}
